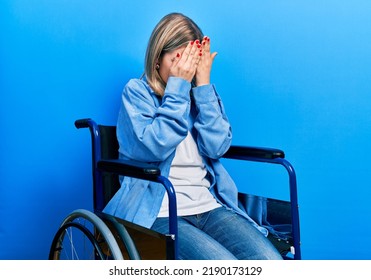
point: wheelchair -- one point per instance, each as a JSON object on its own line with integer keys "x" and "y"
{"x": 96, "y": 235}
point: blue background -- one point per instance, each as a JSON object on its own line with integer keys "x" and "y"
{"x": 293, "y": 75}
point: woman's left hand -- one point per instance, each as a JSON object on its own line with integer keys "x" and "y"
{"x": 204, "y": 66}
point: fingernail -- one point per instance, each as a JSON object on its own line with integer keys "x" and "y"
{"x": 191, "y": 42}
{"x": 178, "y": 55}
{"x": 197, "y": 41}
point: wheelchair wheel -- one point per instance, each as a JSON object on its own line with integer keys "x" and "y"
{"x": 123, "y": 237}
{"x": 84, "y": 236}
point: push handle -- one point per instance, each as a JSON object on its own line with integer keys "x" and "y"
{"x": 82, "y": 123}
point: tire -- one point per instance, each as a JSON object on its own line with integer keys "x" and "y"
{"x": 84, "y": 236}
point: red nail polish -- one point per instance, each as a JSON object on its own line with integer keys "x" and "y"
{"x": 178, "y": 55}
{"x": 197, "y": 41}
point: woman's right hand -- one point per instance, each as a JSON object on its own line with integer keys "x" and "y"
{"x": 186, "y": 61}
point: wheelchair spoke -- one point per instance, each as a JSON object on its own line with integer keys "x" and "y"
{"x": 83, "y": 236}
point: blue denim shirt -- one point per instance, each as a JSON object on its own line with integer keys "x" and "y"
{"x": 149, "y": 129}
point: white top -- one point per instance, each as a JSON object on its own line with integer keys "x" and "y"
{"x": 188, "y": 176}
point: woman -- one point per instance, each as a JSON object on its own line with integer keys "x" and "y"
{"x": 173, "y": 117}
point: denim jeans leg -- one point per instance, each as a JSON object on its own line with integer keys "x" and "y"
{"x": 193, "y": 243}
{"x": 239, "y": 236}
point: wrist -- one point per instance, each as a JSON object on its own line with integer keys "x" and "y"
{"x": 202, "y": 82}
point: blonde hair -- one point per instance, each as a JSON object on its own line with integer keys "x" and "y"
{"x": 172, "y": 31}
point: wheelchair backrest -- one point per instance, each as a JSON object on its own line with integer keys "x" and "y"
{"x": 109, "y": 150}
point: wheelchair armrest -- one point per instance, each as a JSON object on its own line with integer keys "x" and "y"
{"x": 241, "y": 152}
{"x": 129, "y": 168}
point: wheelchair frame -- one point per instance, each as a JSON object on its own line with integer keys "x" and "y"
{"x": 115, "y": 233}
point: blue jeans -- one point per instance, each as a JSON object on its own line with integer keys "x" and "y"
{"x": 220, "y": 234}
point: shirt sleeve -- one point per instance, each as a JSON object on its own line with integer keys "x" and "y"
{"x": 152, "y": 131}
{"x": 214, "y": 135}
